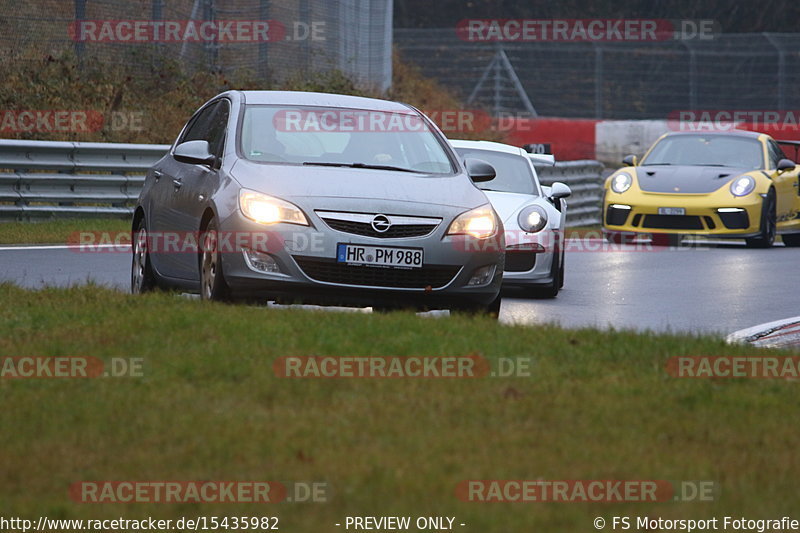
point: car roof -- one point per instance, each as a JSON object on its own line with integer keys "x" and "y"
{"x": 304, "y": 98}
{"x": 488, "y": 145}
{"x": 729, "y": 133}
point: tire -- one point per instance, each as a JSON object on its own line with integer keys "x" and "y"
{"x": 768, "y": 225}
{"x": 212, "y": 279}
{"x": 557, "y": 273}
{"x": 143, "y": 279}
{"x": 791, "y": 239}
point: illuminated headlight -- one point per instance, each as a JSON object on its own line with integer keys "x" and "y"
{"x": 532, "y": 219}
{"x": 621, "y": 182}
{"x": 480, "y": 223}
{"x": 265, "y": 209}
{"x": 742, "y": 186}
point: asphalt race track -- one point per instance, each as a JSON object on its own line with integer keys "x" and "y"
{"x": 716, "y": 288}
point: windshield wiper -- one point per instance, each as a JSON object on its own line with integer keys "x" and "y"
{"x": 359, "y": 165}
{"x": 654, "y": 164}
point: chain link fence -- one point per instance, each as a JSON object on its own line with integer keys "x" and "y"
{"x": 303, "y": 36}
{"x": 612, "y": 80}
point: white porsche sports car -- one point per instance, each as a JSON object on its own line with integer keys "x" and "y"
{"x": 533, "y": 215}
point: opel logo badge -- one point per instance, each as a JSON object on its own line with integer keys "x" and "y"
{"x": 381, "y": 223}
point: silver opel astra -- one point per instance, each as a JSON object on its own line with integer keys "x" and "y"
{"x": 318, "y": 198}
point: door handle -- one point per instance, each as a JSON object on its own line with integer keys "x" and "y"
{"x": 176, "y": 182}
{"x": 157, "y": 174}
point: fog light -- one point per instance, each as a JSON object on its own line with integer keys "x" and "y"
{"x": 261, "y": 262}
{"x": 482, "y": 276}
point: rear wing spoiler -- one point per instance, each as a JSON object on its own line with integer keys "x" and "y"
{"x": 540, "y": 153}
{"x": 543, "y": 159}
{"x": 793, "y": 144}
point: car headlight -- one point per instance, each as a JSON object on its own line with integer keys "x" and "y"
{"x": 266, "y": 209}
{"x": 742, "y": 186}
{"x": 480, "y": 223}
{"x": 621, "y": 182}
{"x": 532, "y": 219}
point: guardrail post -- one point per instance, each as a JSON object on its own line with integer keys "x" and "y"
{"x": 80, "y": 16}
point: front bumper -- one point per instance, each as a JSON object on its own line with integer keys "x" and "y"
{"x": 723, "y": 217}
{"x": 529, "y": 257}
{"x": 307, "y": 271}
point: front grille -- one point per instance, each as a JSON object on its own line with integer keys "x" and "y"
{"x": 672, "y": 222}
{"x": 396, "y": 231}
{"x": 736, "y": 220}
{"x": 519, "y": 261}
{"x": 331, "y": 271}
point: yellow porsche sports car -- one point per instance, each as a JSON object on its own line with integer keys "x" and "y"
{"x": 735, "y": 184}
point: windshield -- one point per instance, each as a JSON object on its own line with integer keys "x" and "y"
{"x": 514, "y": 173}
{"x": 707, "y": 150}
{"x": 342, "y": 137}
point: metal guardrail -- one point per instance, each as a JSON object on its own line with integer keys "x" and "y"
{"x": 585, "y": 179}
{"x": 62, "y": 179}
{"x": 67, "y": 179}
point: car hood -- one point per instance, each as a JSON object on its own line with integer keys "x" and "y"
{"x": 291, "y": 181}
{"x": 690, "y": 179}
{"x": 508, "y": 203}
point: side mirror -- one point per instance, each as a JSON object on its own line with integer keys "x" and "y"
{"x": 785, "y": 164}
{"x": 194, "y": 153}
{"x": 479, "y": 170}
{"x": 560, "y": 190}
{"x": 629, "y": 160}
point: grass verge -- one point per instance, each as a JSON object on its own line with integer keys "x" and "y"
{"x": 59, "y": 231}
{"x": 598, "y": 405}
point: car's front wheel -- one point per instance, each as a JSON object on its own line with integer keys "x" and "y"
{"x": 142, "y": 277}
{"x": 766, "y": 238}
{"x": 557, "y": 273}
{"x": 212, "y": 279}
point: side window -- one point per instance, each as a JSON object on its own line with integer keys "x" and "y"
{"x": 217, "y": 127}
{"x": 199, "y": 125}
{"x": 210, "y": 125}
{"x": 775, "y": 154}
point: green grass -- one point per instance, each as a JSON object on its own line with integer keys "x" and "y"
{"x": 598, "y": 405}
{"x": 60, "y": 231}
